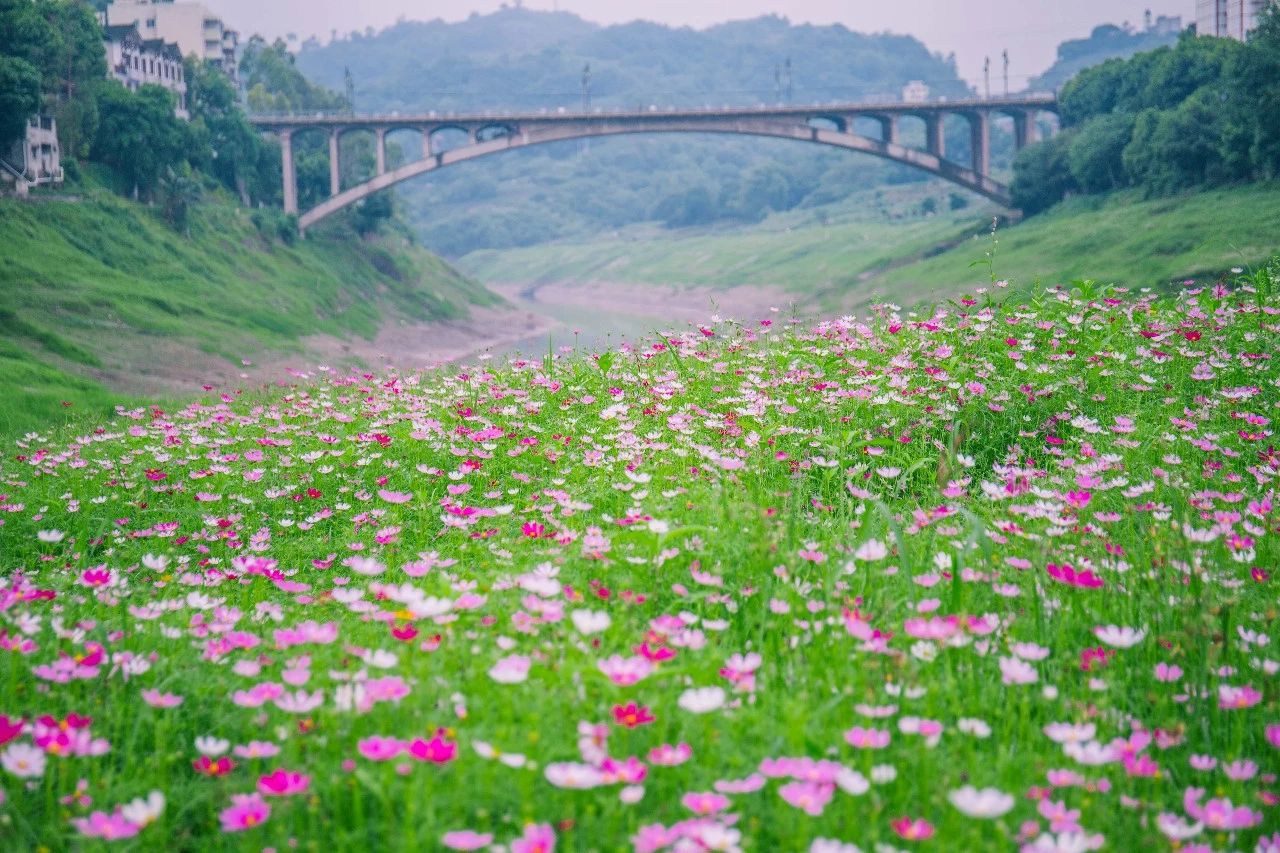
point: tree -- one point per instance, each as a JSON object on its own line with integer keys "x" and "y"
{"x": 1041, "y": 175}
{"x": 232, "y": 142}
{"x": 138, "y": 135}
{"x": 1095, "y": 152}
{"x": 1176, "y": 149}
{"x": 180, "y": 191}
{"x": 19, "y": 98}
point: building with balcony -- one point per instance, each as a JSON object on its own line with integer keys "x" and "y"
{"x": 136, "y": 62}
{"x": 197, "y": 31}
{"x": 35, "y": 159}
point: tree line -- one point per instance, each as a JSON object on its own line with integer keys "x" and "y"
{"x": 52, "y": 61}
{"x": 1203, "y": 112}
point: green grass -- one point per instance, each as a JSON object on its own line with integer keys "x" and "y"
{"x": 848, "y": 572}
{"x": 854, "y": 259}
{"x": 104, "y": 284}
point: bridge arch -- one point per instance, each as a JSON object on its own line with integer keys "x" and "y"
{"x": 543, "y": 134}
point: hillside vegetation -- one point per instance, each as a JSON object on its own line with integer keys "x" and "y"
{"x": 103, "y": 294}
{"x": 856, "y": 257}
{"x": 992, "y": 576}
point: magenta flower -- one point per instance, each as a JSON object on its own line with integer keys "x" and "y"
{"x": 537, "y": 838}
{"x": 283, "y": 783}
{"x": 438, "y": 750}
{"x": 245, "y": 812}
{"x": 379, "y": 748}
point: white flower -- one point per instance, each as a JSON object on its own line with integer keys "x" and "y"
{"x": 1065, "y": 842}
{"x": 971, "y": 726}
{"x": 1017, "y": 671}
{"x": 1090, "y": 752}
{"x": 831, "y": 845}
{"x": 1070, "y": 732}
{"x": 852, "y": 782}
{"x": 701, "y": 700}
{"x": 23, "y": 760}
{"x": 510, "y": 670}
{"x": 985, "y": 803}
{"x": 154, "y": 562}
{"x": 590, "y": 621}
{"x": 212, "y": 746}
{"x": 567, "y": 774}
{"x": 871, "y": 550}
{"x": 367, "y": 566}
{"x": 1177, "y": 829}
{"x": 50, "y": 535}
{"x": 883, "y": 774}
{"x": 143, "y": 812}
{"x": 1120, "y": 637}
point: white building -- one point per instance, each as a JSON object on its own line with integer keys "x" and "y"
{"x": 915, "y": 92}
{"x": 197, "y": 31}
{"x": 136, "y": 61}
{"x": 35, "y": 159}
{"x": 1228, "y": 18}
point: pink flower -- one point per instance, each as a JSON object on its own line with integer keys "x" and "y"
{"x": 156, "y": 699}
{"x": 395, "y": 497}
{"x": 465, "y": 839}
{"x": 705, "y": 803}
{"x": 537, "y": 838}
{"x": 1068, "y": 575}
{"x": 106, "y": 826}
{"x": 438, "y": 750}
{"x": 1168, "y": 672}
{"x": 669, "y": 756}
{"x": 245, "y": 812}
{"x": 283, "y": 783}
{"x": 1234, "y": 698}
{"x": 912, "y": 829}
{"x": 624, "y": 671}
{"x": 632, "y": 715}
{"x": 861, "y": 738}
{"x": 1272, "y": 732}
{"x": 809, "y": 797}
{"x": 379, "y": 748}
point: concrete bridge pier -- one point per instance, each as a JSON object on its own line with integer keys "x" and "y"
{"x": 935, "y": 141}
{"x": 1025, "y": 129}
{"x": 888, "y": 128}
{"x": 287, "y": 171}
{"x": 380, "y": 149}
{"x": 335, "y": 172}
{"x": 980, "y": 141}
{"x": 426, "y": 142}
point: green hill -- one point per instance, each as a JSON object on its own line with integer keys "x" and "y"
{"x": 99, "y": 296}
{"x": 857, "y": 257}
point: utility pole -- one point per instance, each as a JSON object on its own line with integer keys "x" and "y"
{"x": 787, "y": 68}
{"x": 586, "y": 88}
{"x": 986, "y": 76}
{"x": 1006, "y": 72}
{"x": 349, "y": 85}
{"x": 777, "y": 82}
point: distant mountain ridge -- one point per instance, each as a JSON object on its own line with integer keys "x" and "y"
{"x": 519, "y": 58}
{"x": 1107, "y": 41}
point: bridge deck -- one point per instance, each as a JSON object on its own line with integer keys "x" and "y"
{"x": 1023, "y": 102}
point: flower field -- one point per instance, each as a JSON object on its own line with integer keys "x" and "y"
{"x": 991, "y": 575}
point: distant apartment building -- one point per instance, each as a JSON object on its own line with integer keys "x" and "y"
{"x": 1228, "y": 18}
{"x": 35, "y": 159}
{"x": 197, "y": 31}
{"x": 915, "y": 92}
{"x": 136, "y": 62}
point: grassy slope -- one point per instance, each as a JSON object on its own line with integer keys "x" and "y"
{"x": 1123, "y": 238}
{"x": 95, "y": 285}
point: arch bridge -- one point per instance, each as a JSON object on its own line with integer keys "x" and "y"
{"x": 827, "y": 124}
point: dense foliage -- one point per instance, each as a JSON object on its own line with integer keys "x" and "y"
{"x": 997, "y": 575}
{"x": 1204, "y": 112}
{"x": 532, "y": 60}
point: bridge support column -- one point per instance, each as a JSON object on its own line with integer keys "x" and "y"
{"x": 888, "y": 128}
{"x": 1025, "y": 129}
{"x": 980, "y": 135}
{"x": 335, "y": 172}
{"x": 380, "y": 147}
{"x": 426, "y": 143}
{"x": 287, "y": 172}
{"x": 935, "y": 141}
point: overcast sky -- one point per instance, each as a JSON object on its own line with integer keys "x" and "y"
{"x": 973, "y": 29}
